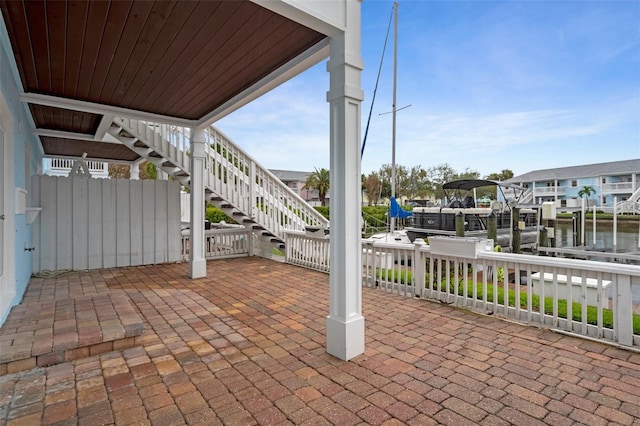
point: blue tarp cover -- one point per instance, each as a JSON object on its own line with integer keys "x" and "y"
{"x": 396, "y": 211}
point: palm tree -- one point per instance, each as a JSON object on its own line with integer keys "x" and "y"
{"x": 319, "y": 180}
{"x": 587, "y": 191}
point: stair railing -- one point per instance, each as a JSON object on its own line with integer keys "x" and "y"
{"x": 232, "y": 175}
{"x": 273, "y": 203}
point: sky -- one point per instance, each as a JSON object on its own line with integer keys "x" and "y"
{"x": 519, "y": 85}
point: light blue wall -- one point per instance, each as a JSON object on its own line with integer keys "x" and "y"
{"x": 572, "y": 191}
{"x": 21, "y": 138}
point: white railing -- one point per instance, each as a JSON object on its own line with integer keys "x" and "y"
{"x": 605, "y": 295}
{"x": 549, "y": 190}
{"x": 221, "y": 243}
{"x": 232, "y": 175}
{"x": 235, "y": 176}
{"x": 617, "y": 187}
{"x": 623, "y": 207}
{"x": 62, "y": 167}
{"x": 307, "y": 251}
{"x": 169, "y": 141}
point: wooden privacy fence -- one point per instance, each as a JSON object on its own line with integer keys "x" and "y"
{"x": 90, "y": 223}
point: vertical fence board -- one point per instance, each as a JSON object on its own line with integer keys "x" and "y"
{"x": 108, "y": 225}
{"x": 48, "y": 225}
{"x": 80, "y": 217}
{"x": 173, "y": 231}
{"x": 64, "y": 221}
{"x": 95, "y": 230}
{"x": 160, "y": 221}
{"x": 123, "y": 226}
{"x": 135, "y": 233}
{"x": 148, "y": 226}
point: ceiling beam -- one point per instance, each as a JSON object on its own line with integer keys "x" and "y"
{"x": 328, "y": 18}
{"x": 302, "y": 62}
{"x": 95, "y": 108}
{"x": 105, "y": 124}
{"x": 60, "y": 134}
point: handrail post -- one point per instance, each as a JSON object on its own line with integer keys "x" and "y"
{"x": 418, "y": 264}
{"x": 252, "y": 189}
{"x": 251, "y": 241}
{"x": 623, "y": 311}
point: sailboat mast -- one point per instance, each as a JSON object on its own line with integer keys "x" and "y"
{"x": 393, "y": 111}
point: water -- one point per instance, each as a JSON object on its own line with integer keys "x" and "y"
{"x": 627, "y": 235}
{"x": 627, "y": 241}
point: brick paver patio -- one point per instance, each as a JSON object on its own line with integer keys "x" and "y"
{"x": 246, "y": 346}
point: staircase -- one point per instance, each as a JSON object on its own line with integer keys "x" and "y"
{"x": 234, "y": 182}
{"x": 629, "y": 206}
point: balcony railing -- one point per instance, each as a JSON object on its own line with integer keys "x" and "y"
{"x": 549, "y": 190}
{"x": 617, "y": 188}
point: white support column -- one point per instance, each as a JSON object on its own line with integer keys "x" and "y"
{"x": 134, "y": 171}
{"x": 197, "y": 261}
{"x": 345, "y": 323}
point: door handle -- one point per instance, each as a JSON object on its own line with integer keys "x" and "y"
{"x": 1, "y": 217}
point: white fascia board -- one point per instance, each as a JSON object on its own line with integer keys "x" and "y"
{"x": 323, "y": 16}
{"x": 302, "y": 62}
{"x": 94, "y": 108}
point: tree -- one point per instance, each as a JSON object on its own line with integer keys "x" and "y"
{"x": 123, "y": 171}
{"x": 587, "y": 191}
{"x": 491, "y": 192}
{"x": 372, "y": 185}
{"x": 319, "y": 180}
{"x": 502, "y": 176}
{"x": 438, "y": 176}
{"x": 418, "y": 185}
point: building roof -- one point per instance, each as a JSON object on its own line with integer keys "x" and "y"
{"x": 290, "y": 175}
{"x": 589, "y": 170}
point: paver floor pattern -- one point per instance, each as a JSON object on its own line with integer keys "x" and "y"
{"x": 246, "y": 346}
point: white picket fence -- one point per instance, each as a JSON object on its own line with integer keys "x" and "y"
{"x": 471, "y": 276}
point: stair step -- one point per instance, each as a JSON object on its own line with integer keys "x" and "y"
{"x": 40, "y": 343}
{"x": 168, "y": 164}
{"x": 139, "y": 144}
{"x": 155, "y": 154}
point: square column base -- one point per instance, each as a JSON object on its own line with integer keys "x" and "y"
{"x": 345, "y": 340}
{"x": 198, "y": 268}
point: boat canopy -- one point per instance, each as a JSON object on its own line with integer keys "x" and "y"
{"x": 469, "y": 184}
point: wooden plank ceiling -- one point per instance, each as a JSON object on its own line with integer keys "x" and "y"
{"x": 176, "y": 58}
